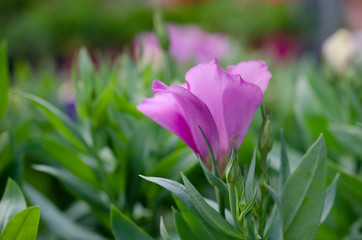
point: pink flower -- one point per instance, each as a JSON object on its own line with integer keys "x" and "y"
{"x": 190, "y": 43}
{"x": 221, "y": 102}
{"x": 187, "y": 43}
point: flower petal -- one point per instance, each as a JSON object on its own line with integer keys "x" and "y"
{"x": 253, "y": 71}
{"x": 158, "y": 86}
{"x": 231, "y": 100}
{"x": 179, "y": 111}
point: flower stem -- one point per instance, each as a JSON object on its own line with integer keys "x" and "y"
{"x": 234, "y": 205}
{"x": 220, "y": 201}
{"x": 262, "y": 210}
{"x": 263, "y": 196}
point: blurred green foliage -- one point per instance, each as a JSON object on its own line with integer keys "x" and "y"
{"x": 38, "y": 29}
{"x": 76, "y": 169}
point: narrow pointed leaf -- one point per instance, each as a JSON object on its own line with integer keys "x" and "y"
{"x": 347, "y": 185}
{"x": 303, "y": 195}
{"x": 60, "y": 121}
{"x": 213, "y": 161}
{"x": 79, "y": 187}
{"x": 84, "y": 89}
{"x": 329, "y": 199}
{"x": 183, "y": 230}
{"x": 12, "y": 202}
{"x": 349, "y": 136}
{"x": 276, "y": 229}
{"x": 163, "y": 231}
{"x": 70, "y": 159}
{"x": 284, "y": 163}
{"x": 179, "y": 191}
{"x": 208, "y": 213}
{"x": 195, "y": 224}
{"x": 249, "y": 183}
{"x": 23, "y": 225}
{"x": 175, "y": 188}
{"x": 275, "y": 196}
{"x": 57, "y": 221}
{"x": 104, "y": 98}
{"x": 85, "y": 64}
{"x": 215, "y": 181}
{"x": 250, "y": 226}
{"x": 124, "y": 229}
{"x": 169, "y": 167}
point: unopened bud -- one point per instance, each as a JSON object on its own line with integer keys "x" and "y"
{"x": 161, "y": 30}
{"x": 233, "y": 171}
{"x": 265, "y": 135}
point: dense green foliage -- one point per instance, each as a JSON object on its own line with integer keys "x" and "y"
{"x": 91, "y": 174}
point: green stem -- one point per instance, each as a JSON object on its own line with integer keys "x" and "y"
{"x": 262, "y": 209}
{"x": 263, "y": 196}
{"x": 220, "y": 202}
{"x": 234, "y": 208}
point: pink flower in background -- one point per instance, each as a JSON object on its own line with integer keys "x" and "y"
{"x": 187, "y": 43}
{"x": 221, "y": 102}
{"x": 191, "y": 43}
{"x": 148, "y": 50}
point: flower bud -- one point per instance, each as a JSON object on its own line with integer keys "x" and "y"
{"x": 233, "y": 171}
{"x": 265, "y": 135}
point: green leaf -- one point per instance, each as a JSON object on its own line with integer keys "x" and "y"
{"x": 329, "y": 198}
{"x": 275, "y": 232}
{"x": 316, "y": 104}
{"x": 211, "y": 153}
{"x": 124, "y": 229}
{"x": 179, "y": 160}
{"x": 123, "y": 105}
{"x": 284, "y": 163}
{"x": 250, "y": 226}
{"x": 303, "y": 195}
{"x": 4, "y": 79}
{"x": 347, "y": 185}
{"x": 208, "y": 213}
{"x": 215, "y": 182}
{"x": 6, "y": 155}
{"x": 183, "y": 230}
{"x": 12, "y": 202}
{"x": 175, "y": 188}
{"x": 179, "y": 191}
{"x": 23, "y": 225}
{"x": 70, "y": 159}
{"x": 350, "y": 137}
{"x": 275, "y": 196}
{"x": 163, "y": 231}
{"x": 83, "y": 88}
{"x": 249, "y": 183}
{"x": 104, "y": 98}
{"x": 131, "y": 83}
{"x": 196, "y": 225}
{"x": 57, "y": 221}
{"x": 78, "y": 187}
{"x": 247, "y": 207}
{"x": 60, "y": 121}
{"x": 85, "y": 64}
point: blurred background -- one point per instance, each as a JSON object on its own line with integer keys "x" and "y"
{"x": 313, "y": 48}
{"x": 39, "y": 30}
